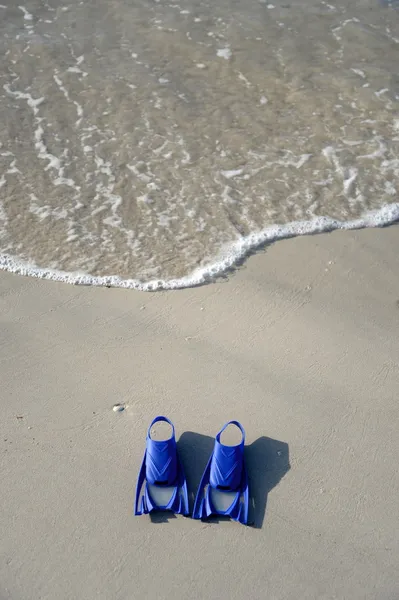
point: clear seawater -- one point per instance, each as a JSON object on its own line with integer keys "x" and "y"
{"x": 151, "y": 144}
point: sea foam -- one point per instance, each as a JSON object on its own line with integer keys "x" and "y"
{"x": 228, "y": 258}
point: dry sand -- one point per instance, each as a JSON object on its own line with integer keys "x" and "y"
{"x": 301, "y": 345}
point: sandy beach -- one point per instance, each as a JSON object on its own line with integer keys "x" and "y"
{"x": 300, "y": 344}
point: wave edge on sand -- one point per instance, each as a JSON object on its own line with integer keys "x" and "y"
{"x": 229, "y": 257}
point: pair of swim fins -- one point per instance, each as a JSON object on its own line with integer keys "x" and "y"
{"x": 225, "y": 473}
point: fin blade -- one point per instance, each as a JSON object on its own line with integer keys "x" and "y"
{"x": 183, "y": 493}
{"x": 140, "y": 494}
{"x": 244, "y": 499}
{"x": 199, "y": 511}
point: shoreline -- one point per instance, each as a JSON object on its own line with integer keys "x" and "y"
{"x": 229, "y": 259}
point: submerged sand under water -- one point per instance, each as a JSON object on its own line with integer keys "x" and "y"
{"x": 138, "y": 140}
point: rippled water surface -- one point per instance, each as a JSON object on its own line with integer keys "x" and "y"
{"x": 145, "y": 140}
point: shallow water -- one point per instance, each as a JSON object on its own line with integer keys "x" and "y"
{"x": 154, "y": 141}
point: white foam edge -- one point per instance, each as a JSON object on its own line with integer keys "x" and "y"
{"x": 229, "y": 256}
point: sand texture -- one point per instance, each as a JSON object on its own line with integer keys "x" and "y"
{"x": 300, "y": 345}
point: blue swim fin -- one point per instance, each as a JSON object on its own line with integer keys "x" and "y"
{"x": 161, "y": 468}
{"x": 225, "y": 472}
